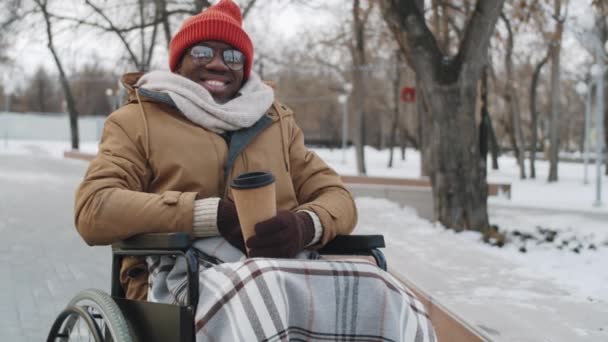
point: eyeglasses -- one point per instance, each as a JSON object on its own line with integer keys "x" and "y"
{"x": 203, "y": 55}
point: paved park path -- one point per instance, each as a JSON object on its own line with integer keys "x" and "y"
{"x": 43, "y": 260}
{"x": 44, "y": 263}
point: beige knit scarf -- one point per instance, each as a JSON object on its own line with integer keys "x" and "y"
{"x": 197, "y": 104}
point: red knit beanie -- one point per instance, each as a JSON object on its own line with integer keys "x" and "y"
{"x": 221, "y": 22}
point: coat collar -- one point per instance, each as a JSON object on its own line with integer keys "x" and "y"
{"x": 239, "y": 139}
{"x": 129, "y": 80}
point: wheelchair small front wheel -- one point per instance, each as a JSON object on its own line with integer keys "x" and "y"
{"x": 92, "y": 315}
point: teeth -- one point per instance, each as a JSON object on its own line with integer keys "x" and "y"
{"x": 215, "y": 83}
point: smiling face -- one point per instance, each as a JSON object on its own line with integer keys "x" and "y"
{"x": 221, "y": 81}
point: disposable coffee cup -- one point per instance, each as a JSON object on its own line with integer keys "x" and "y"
{"x": 255, "y": 200}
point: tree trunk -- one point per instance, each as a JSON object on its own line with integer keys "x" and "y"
{"x": 379, "y": 134}
{"x": 424, "y": 124}
{"x": 162, "y": 5}
{"x": 73, "y": 114}
{"x": 602, "y": 25}
{"x": 513, "y": 103}
{"x": 422, "y": 108}
{"x": 494, "y": 147}
{"x": 484, "y": 138}
{"x": 534, "y": 115}
{"x": 484, "y": 125}
{"x": 606, "y": 126}
{"x": 458, "y": 177}
{"x": 396, "y": 93}
{"x": 435, "y": 17}
{"x": 490, "y": 138}
{"x": 555, "y": 94}
{"x": 142, "y": 37}
{"x": 158, "y": 14}
{"x": 359, "y": 69}
{"x": 42, "y": 97}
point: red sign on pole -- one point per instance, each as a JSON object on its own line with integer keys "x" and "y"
{"x": 408, "y": 94}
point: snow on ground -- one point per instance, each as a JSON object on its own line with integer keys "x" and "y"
{"x": 575, "y": 258}
{"x": 568, "y": 248}
{"x": 47, "y": 148}
{"x": 569, "y": 193}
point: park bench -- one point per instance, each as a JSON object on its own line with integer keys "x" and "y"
{"x": 74, "y": 154}
{"x": 411, "y": 192}
{"x": 494, "y": 189}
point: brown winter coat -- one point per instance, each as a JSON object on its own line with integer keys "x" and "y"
{"x": 153, "y": 162}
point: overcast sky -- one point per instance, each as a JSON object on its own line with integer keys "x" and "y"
{"x": 269, "y": 29}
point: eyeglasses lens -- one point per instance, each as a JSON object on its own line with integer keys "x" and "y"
{"x": 234, "y": 59}
{"x": 203, "y": 55}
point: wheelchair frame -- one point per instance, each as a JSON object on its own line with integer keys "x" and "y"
{"x": 152, "y": 322}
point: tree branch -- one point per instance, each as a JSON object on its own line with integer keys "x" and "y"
{"x": 142, "y": 32}
{"x": 71, "y": 104}
{"x": 455, "y": 27}
{"x": 451, "y": 6}
{"x": 113, "y": 28}
{"x": 157, "y": 15}
{"x": 404, "y": 16}
{"x": 248, "y": 8}
{"x": 473, "y": 48}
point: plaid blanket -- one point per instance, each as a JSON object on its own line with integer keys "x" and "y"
{"x": 302, "y": 299}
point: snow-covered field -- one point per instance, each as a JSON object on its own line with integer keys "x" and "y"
{"x": 554, "y": 229}
{"x": 555, "y": 232}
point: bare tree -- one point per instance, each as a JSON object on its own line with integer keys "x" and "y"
{"x": 450, "y": 85}
{"x": 90, "y": 84}
{"x": 534, "y": 114}
{"x": 555, "y": 48}
{"x": 42, "y": 6}
{"x": 602, "y": 28}
{"x": 142, "y": 59}
{"x": 358, "y": 52}
{"x": 9, "y": 15}
{"x": 512, "y": 102}
{"x": 41, "y": 93}
{"x": 140, "y": 39}
{"x": 396, "y": 97}
{"x": 487, "y": 136}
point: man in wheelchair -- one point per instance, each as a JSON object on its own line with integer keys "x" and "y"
{"x": 164, "y": 164}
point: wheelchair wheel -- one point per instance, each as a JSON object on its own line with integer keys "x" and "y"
{"x": 92, "y": 315}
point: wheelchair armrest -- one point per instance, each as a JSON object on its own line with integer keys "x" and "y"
{"x": 169, "y": 241}
{"x": 353, "y": 244}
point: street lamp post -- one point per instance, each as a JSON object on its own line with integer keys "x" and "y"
{"x": 112, "y": 96}
{"x": 343, "y": 99}
{"x": 598, "y": 71}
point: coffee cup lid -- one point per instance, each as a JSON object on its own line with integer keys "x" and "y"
{"x": 251, "y": 180}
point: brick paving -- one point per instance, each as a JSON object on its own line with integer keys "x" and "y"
{"x": 43, "y": 260}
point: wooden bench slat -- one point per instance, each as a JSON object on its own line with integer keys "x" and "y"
{"x": 494, "y": 189}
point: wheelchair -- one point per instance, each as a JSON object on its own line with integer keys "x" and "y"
{"x": 93, "y": 315}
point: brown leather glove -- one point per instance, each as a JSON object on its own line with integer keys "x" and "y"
{"x": 228, "y": 224}
{"x": 282, "y": 236}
